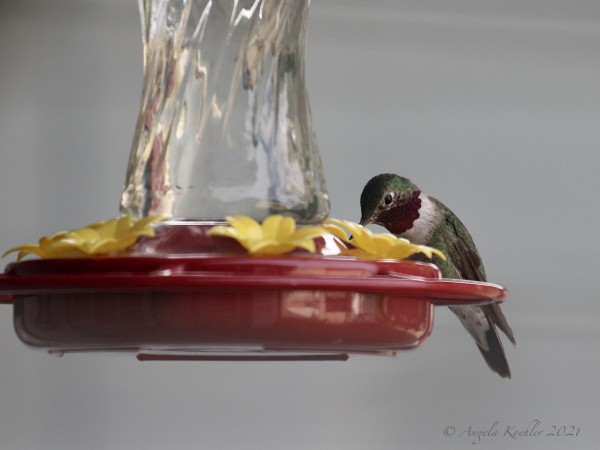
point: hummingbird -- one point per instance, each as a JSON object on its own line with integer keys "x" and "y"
{"x": 398, "y": 205}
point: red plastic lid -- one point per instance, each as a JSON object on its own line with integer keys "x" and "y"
{"x": 137, "y": 273}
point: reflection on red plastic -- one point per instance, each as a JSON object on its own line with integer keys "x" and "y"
{"x": 231, "y": 307}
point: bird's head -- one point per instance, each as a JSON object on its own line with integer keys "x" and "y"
{"x": 391, "y": 201}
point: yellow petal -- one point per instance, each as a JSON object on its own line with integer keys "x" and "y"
{"x": 46, "y": 240}
{"x": 308, "y": 245}
{"x": 361, "y": 236}
{"x": 96, "y": 225}
{"x": 287, "y": 227}
{"x": 429, "y": 252}
{"x": 336, "y": 222}
{"x": 306, "y": 233}
{"x": 82, "y": 235}
{"x": 24, "y": 253}
{"x": 59, "y": 248}
{"x": 224, "y": 232}
{"x": 24, "y": 250}
{"x": 109, "y": 228}
{"x": 363, "y": 241}
{"x": 120, "y": 227}
{"x": 270, "y": 248}
{"x": 441, "y": 254}
{"x": 401, "y": 253}
{"x": 98, "y": 246}
{"x": 337, "y": 231}
{"x": 246, "y": 226}
{"x": 145, "y": 224}
{"x": 271, "y": 227}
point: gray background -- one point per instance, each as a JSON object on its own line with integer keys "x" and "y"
{"x": 492, "y": 106}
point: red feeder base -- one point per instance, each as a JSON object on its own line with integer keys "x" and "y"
{"x": 230, "y": 307}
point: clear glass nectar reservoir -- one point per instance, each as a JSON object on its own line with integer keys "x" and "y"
{"x": 225, "y": 125}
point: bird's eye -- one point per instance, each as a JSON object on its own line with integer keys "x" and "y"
{"x": 387, "y": 200}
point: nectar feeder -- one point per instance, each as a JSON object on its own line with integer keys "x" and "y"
{"x": 225, "y": 129}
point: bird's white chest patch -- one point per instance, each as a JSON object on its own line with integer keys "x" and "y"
{"x": 423, "y": 227}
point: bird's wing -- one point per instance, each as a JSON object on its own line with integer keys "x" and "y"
{"x": 460, "y": 247}
{"x": 468, "y": 264}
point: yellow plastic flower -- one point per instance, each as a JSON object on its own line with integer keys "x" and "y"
{"x": 101, "y": 238}
{"x": 276, "y": 236}
{"x": 371, "y": 245}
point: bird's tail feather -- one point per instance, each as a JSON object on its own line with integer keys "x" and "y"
{"x": 494, "y": 355}
{"x": 497, "y": 317}
{"x": 482, "y": 329}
